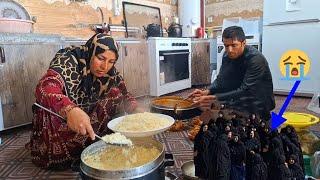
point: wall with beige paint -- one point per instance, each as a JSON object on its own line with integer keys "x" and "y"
{"x": 72, "y": 18}
{"x": 217, "y": 10}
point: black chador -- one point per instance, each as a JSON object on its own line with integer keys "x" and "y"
{"x": 254, "y": 120}
{"x": 277, "y": 168}
{"x": 253, "y": 143}
{"x": 220, "y": 121}
{"x": 235, "y": 120}
{"x": 238, "y": 157}
{"x": 258, "y": 170}
{"x": 290, "y": 148}
{"x": 220, "y": 163}
{"x": 263, "y": 132}
{"x": 201, "y": 144}
{"x": 242, "y": 130}
{"x": 295, "y": 168}
{"x": 290, "y": 132}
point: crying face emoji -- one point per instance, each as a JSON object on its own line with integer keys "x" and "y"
{"x": 294, "y": 64}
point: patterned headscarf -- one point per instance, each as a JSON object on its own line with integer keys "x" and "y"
{"x": 73, "y": 64}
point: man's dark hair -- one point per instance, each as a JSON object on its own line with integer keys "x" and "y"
{"x": 234, "y": 33}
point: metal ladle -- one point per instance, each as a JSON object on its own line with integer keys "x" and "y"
{"x": 97, "y": 136}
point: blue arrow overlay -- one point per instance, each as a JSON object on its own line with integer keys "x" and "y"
{"x": 277, "y": 119}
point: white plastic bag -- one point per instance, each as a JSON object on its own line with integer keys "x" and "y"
{"x": 314, "y": 105}
{"x": 315, "y": 164}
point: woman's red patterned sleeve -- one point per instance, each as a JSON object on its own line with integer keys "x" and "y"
{"x": 50, "y": 93}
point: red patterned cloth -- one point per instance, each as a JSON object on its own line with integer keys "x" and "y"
{"x": 53, "y": 144}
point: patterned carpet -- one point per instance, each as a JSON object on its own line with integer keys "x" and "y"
{"x": 15, "y": 162}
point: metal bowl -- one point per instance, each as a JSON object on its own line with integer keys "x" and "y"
{"x": 132, "y": 173}
{"x": 165, "y": 105}
{"x": 188, "y": 171}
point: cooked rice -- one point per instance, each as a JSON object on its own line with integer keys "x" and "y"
{"x": 117, "y": 138}
{"x": 142, "y": 122}
{"x": 119, "y": 158}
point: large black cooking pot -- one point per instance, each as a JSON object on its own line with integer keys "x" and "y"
{"x": 153, "y": 30}
{"x": 154, "y": 170}
{"x": 165, "y": 105}
{"x": 175, "y": 30}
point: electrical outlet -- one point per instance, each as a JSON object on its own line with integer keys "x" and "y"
{"x": 209, "y": 19}
{"x": 166, "y": 20}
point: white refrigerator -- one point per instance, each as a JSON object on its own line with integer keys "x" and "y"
{"x": 287, "y": 25}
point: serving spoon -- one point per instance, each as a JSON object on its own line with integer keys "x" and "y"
{"x": 175, "y": 108}
{"x": 97, "y": 136}
{"x": 128, "y": 143}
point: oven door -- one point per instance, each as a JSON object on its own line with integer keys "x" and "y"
{"x": 174, "y": 66}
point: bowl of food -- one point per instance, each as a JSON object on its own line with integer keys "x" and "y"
{"x": 175, "y": 106}
{"x": 141, "y": 124}
{"x": 300, "y": 121}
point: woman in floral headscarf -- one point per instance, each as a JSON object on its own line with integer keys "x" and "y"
{"x": 83, "y": 86}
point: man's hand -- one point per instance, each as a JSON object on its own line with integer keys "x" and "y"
{"x": 198, "y": 93}
{"x": 204, "y": 102}
{"x": 79, "y": 122}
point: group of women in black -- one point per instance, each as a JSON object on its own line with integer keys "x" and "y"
{"x": 241, "y": 148}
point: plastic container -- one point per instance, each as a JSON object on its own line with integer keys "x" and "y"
{"x": 200, "y": 32}
{"x": 15, "y": 25}
{"x": 300, "y": 121}
{"x": 314, "y": 105}
{"x": 315, "y": 164}
{"x": 307, "y": 166}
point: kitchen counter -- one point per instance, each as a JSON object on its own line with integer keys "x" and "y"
{"x": 29, "y": 38}
{"x": 21, "y": 38}
{"x": 120, "y": 40}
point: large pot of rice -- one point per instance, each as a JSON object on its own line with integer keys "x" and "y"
{"x": 144, "y": 160}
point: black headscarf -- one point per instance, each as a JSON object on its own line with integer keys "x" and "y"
{"x": 73, "y": 64}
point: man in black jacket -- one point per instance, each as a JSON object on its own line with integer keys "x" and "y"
{"x": 244, "y": 81}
